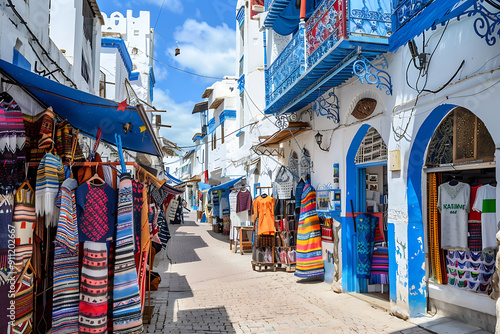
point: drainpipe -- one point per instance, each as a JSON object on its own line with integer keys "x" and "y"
{"x": 264, "y": 37}
{"x": 302, "y": 10}
{"x": 302, "y": 28}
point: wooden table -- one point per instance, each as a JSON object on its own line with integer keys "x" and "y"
{"x": 244, "y": 243}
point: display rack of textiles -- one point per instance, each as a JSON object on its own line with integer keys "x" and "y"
{"x": 286, "y": 234}
{"x": 264, "y": 243}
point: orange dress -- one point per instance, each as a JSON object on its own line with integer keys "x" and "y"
{"x": 264, "y": 209}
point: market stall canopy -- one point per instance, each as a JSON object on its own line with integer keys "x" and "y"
{"x": 194, "y": 179}
{"x": 204, "y": 187}
{"x": 270, "y": 145}
{"x": 226, "y": 185}
{"x": 171, "y": 179}
{"x": 85, "y": 111}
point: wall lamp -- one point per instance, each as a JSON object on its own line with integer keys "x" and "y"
{"x": 319, "y": 141}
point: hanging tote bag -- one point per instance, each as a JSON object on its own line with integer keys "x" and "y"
{"x": 284, "y": 183}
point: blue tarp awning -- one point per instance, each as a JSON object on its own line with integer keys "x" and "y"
{"x": 172, "y": 179}
{"x": 226, "y": 185}
{"x": 203, "y": 187}
{"x": 85, "y": 111}
{"x": 437, "y": 12}
{"x": 284, "y": 16}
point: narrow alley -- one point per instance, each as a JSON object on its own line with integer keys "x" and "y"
{"x": 209, "y": 289}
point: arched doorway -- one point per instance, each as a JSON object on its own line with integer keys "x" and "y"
{"x": 432, "y": 152}
{"x": 460, "y": 215}
{"x": 366, "y": 193}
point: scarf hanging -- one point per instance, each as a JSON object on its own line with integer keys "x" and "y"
{"x": 49, "y": 176}
{"x": 39, "y": 130}
{"x": 24, "y": 220}
{"x": 138, "y": 203}
{"x": 66, "y": 274}
{"x": 6, "y": 207}
{"x": 12, "y": 141}
{"x": 164, "y": 232}
{"x": 127, "y": 317}
{"x": 145, "y": 243}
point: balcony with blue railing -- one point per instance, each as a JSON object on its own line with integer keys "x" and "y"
{"x": 323, "y": 50}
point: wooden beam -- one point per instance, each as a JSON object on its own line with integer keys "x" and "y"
{"x": 164, "y": 126}
{"x": 155, "y": 110}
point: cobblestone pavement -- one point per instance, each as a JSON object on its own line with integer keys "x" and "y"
{"x": 208, "y": 289}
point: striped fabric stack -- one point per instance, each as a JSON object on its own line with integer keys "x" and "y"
{"x": 309, "y": 257}
{"x": 66, "y": 276}
{"x": 49, "y": 177}
{"x": 127, "y": 316}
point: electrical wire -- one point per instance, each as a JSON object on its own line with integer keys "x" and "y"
{"x": 179, "y": 69}
{"x": 159, "y": 13}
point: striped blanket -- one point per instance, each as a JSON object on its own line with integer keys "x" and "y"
{"x": 365, "y": 226}
{"x": 66, "y": 275}
{"x": 94, "y": 289}
{"x": 309, "y": 257}
{"x": 127, "y": 316}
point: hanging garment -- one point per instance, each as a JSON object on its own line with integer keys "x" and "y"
{"x": 153, "y": 226}
{"x": 6, "y": 212}
{"x": 284, "y": 183}
{"x": 12, "y": 141}
{"x": 233, "y": 201}
{"x": 215, "y": 203}
{"x": 108, "y": 175}
{"x": 127, "y": 317}
{"x": 224, "y": 204}
{"x": 474, "y": 240}
{"x": 309, "y": 257}
{"x": 137, "y": 212}
{"x": 485, "y": 203}
{"x": 23, "y": 299}
{"x": 24, "y": 219}
{"x": 178, "y": 218}
{"x": 66, "y": 274}
{"x": 64, "y": 143}
{"x": 94, "y": 289}
{"x": 454, "y": 205}
{"x": 39, "y": 134}
{"x": 365, "y": 226}
{"x": 244, "y": 200}
{"x": 96, "y": 211}
{"x": 172, "y": 210}
{"x": 164, "y": 232}
{"x": 145, "y": 243}
{"x": 49, "y": 177}
{"x": 263, "y": 207}
{"x": 298, "y": 193}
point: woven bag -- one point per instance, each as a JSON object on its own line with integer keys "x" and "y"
{"x": 284, "y": 183}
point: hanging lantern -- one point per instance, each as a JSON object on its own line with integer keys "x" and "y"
{"x": 177, "y": 49}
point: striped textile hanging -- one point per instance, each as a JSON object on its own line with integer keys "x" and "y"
{"x": 309, "y": 257}
{"x": 94, "y": 289}
{"x": 24, "y": 220}
{"x": 145, "y": 244}
{"x": 49, "y": 177}
{"x": 433, "y": 224}
{"x": 66, "y": 274}
{"x": 127, "y": 316}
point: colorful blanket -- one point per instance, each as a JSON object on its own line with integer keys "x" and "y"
{"x": 127, "y": 317}
{"x": 66, "y": 274}
{"x": 309, "y": 257}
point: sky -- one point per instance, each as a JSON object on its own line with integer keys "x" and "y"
{"x": 205, "y": 33}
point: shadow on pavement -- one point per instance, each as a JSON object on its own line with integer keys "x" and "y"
{"x": 206, "y": 320}
{"x": 219, "y": 236}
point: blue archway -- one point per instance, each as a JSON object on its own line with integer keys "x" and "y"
{"x": 417, "y": 292}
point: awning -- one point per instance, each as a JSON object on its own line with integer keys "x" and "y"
{"x": 216, "y": 103}
{"x": 207, "y": 93}
{"x": 284, "y": 16}
{"x": 270, "y": 145}
{"x": 171, "y": 179}
{"x": 204, "y": 187}
{"x": 407, "y": 26}
{"x": 226, "y": 185}
{"x": 85, "y": 111}
{"x": 188, "y": 154}
{"x": 171, "y": 190}
{"x": 200, "y": 107}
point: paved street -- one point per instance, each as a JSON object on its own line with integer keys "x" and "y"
{"x": 209, "y": 289}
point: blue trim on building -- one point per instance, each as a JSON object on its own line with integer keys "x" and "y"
{"x": 211, "y": 125}
{"x": 197, "y": 137}
{"x": 393, "y": 265}
{"x": 349, "y": 280}
{"x": 240, "y": 133}
{"x": 416, "y": 256}
{"x": 227, "y": 114}
{"x": 134, "y": 76}
{"x": 152, "y": 82}
{"x": 19, "y": 60}
{"x": 241, "y": 84}
{"x": 118, "y": 43}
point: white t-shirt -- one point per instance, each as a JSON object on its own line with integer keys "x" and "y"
{"x": 454, "y": 205}
{"x": 485, "y": 203}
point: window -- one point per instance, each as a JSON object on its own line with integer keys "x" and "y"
{"x": 85, "y": 70}
{"x": 372, "y": 148}
{"x": 461, "y": 137}
{"x": 88, "y": 22}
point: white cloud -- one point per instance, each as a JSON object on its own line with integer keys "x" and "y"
{"x": 178, "y": 115}
{"x": 205, "y": 49}
{"x": 174, "y": 6}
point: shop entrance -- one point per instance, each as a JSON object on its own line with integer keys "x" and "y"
{"x": 371, "y": 202}
{"x": 461, "y": 195}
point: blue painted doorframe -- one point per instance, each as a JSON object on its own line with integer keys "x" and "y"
{"x": 417, "y": 293}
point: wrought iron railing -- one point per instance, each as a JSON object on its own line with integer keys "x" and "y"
{"x": 405, "y": 10}
{"x": 287, "y": 68}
